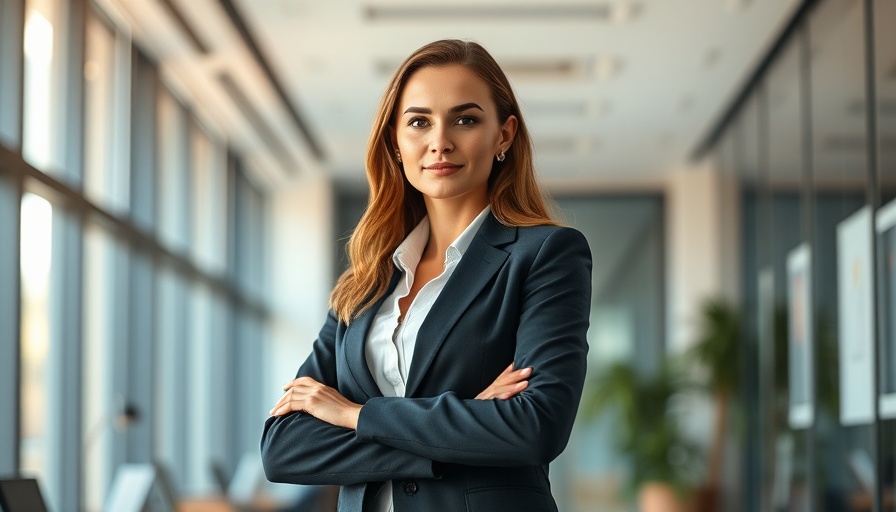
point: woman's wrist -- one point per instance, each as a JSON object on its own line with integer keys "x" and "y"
{"x": 353, "y": 413}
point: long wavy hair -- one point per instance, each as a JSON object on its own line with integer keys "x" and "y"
{"x": 394, "y": 207}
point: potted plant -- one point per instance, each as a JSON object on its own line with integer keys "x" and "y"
{"x": 717, "y": 350}
{"x": 646, "y": 431}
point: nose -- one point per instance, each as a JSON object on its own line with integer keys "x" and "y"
{"x": 440, "y": 143}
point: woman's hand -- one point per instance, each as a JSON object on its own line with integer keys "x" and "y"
{"x": 510, "y": 383}
{"x": 321, "y": 401}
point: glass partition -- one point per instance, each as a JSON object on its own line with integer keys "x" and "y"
{"x": 790, "y": 251}
{"x": 884, "y": 15}
{"x": 842, "y": 261}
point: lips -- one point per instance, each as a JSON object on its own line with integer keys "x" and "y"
{"x": 443, "y": 168}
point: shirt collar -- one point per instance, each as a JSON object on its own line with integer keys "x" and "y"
{"x": 407, "y": 254}
{"x": 462, "y": 243}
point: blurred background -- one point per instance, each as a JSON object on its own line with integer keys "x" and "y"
{"x": 178, "y": 179}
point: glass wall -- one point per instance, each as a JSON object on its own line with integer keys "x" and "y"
{"x": 810, "y": 148}
{"x": 132, "y": 318}
{"x": 884, "y": 81}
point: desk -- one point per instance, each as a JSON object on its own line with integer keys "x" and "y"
{"x": 217, "y": 504}
{"x": 205, "y": 505}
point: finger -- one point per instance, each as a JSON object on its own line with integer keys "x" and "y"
{"x": 285, "y": 409}
{"x": 282, "y": 401}
{"x": 281, "y": 409}
{"x": 300, "y": 382}
{"x": 514, "y": 390}
{"x": 513, "y": 377}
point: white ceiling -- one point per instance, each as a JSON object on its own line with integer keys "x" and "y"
{"x": 615, "y": 92}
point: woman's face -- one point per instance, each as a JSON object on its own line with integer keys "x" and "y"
{"x": 447, "y": 132}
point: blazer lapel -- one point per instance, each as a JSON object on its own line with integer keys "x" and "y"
{"x": 479, "y": 263}
{"x": 356, "y": 340}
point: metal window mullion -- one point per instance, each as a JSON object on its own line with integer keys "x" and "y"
{"x": 807, "y": 208}
{"x": 142, "y": 290}
{"x": 873, "y": 194}
{"x": 12, "y": 31}
{"x": 765, "y": 217}
{"x": 10, "y": 321}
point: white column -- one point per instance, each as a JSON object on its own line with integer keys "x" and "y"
{"x": 703, "y": 246}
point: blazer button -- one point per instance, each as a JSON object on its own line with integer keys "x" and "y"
{"x": 410, "y": 487}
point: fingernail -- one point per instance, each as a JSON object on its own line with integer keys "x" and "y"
{"x": 527, "y": 371}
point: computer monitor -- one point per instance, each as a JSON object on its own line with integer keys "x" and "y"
{"x": 21, "y": 495}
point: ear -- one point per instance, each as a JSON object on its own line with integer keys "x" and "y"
{"x": 508, "y": 132}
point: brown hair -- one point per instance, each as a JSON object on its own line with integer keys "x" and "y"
{"x": 394, "y": 207}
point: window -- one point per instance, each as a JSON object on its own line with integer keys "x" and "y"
{"x": 106, "y": 76}
{"x": 44, "y": 84}
{"x": 36, "y": 249}
{"x": 136, "y": 262}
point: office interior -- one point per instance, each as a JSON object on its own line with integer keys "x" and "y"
{"x": 177, "y": 186}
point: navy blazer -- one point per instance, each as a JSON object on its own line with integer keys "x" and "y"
{"x": 520, "y": 295}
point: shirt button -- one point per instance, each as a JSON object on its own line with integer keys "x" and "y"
{"x": 410, "y": 488}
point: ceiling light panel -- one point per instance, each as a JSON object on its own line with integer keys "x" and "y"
{"x": 606, "y": 12}
{"x": 568, "y": 69}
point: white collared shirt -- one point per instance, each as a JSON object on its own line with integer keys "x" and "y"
{"x": 390, "y": 344}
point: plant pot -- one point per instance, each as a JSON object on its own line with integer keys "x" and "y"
{"x": 661, "y": 497}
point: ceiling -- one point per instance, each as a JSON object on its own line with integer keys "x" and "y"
{"x": 616, "y": 93}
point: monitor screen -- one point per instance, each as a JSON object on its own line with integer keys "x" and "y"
{"x": 21, "y": 495}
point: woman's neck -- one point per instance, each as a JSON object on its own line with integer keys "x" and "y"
{"x": 447, "y": 221}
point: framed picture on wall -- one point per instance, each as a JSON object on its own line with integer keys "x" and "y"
{"x": 855, "y": 332}
{"x": 886, "y": 239}
{"x": 799, "y": 337}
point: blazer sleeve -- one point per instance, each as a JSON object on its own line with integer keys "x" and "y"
{"x": 299, "y": 448}
{"x": 533, "y": 427}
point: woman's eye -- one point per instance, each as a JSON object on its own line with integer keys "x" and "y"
{"x": 466, "y": 120}
{"x": 418, "y": 122}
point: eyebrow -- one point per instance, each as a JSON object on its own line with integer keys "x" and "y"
{"x": 455, "y": 109}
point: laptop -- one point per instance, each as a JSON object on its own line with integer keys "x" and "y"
{"x": 21, "y": 495}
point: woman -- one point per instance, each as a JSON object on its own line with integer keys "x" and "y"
{"x": 409, "y": 399}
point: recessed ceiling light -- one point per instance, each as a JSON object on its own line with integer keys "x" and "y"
{"x": 554, "y": 144}
{"x": 624, "y": 11}
{"x": 736, "y": 5}
{"x": 560, "y": 68}
{"x": 555, "y": 108}
{"x": 603, "y": 67}
{"x": 619, "y": 11}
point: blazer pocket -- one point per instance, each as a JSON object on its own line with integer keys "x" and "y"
{"x": 510, "y": 499}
